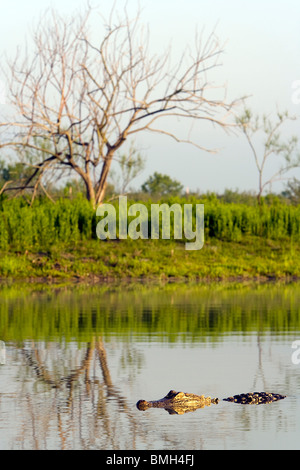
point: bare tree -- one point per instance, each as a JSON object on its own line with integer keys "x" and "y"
{"x": 78, "y": 99}
{"x": 131, "y": 164}
{"x": 273, "y": 145}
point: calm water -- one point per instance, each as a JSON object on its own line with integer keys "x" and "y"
{"x": 78, "y": 359}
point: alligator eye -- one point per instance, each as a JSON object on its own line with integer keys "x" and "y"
{"x": 171, "y": 394}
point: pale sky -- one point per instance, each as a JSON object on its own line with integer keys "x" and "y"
{"x": 261, "y": 59}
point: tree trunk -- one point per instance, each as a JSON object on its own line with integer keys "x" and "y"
{"x": 101, "y": 187}
{"x": 260, "y": 191}
{"x": 90, "y": 192}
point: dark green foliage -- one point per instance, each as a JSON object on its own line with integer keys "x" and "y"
{"x": 45, "y": 224}
{"x": 15, "y": 175}
{"x": 232, "y": 221}
{"x": 162, "y": 185}
{"x": 293, "y": 191}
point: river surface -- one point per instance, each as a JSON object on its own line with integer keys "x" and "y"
{"x": 77, "y": 359}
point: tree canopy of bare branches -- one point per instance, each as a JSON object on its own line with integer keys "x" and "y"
{"x": 273, "y": 146}
{"x": 78, "y": 97}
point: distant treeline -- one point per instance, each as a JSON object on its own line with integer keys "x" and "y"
{"x": 44, "y": 224}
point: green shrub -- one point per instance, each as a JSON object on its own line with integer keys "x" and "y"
{"x": 69, "y": 222}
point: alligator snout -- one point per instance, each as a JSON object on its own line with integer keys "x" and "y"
{"x": 143, "y": 405}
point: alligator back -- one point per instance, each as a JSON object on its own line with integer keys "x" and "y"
{"x": 255, "y": 398}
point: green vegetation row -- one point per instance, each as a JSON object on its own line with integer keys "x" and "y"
{"x": 172, "y": 313}
{"x": 25, "y": 228}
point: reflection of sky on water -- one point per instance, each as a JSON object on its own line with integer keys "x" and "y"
{"x": 34, "y": 415}
{"x": 82, "y": 394}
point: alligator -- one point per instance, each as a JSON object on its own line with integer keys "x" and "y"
{"x": 180, "y": 402}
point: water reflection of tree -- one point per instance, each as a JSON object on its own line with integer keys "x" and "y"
{"x": 267, "y": 419}
{"x": 74, "y": 406}
{"x": 260, "y": 370}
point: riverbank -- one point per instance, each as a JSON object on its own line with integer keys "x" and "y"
{"x": 249, "y": 259}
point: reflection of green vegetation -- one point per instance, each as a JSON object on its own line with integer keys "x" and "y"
{"x": 173, "y": 312}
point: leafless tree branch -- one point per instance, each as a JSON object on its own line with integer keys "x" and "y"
{"x": 77, "y": 101}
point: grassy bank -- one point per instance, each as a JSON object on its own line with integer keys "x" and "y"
{"x": 59, "y": 241}
{"x": 156, "y": 259}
